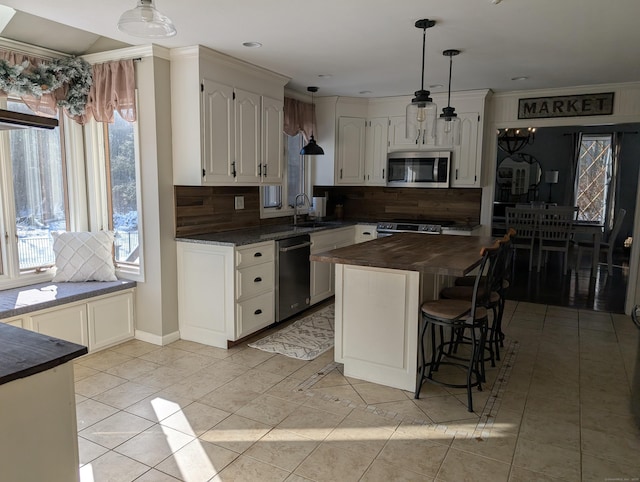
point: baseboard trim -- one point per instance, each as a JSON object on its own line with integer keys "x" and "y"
{"x": 155, "y": 339}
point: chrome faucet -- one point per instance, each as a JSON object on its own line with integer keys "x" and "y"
{"x": 296, "y": 204}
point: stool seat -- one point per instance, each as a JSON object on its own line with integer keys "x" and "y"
{"x": 466, "y": 292}
{"x": 454, "y": 311}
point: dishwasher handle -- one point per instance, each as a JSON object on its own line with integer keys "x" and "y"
{"x": 297, "y": 246}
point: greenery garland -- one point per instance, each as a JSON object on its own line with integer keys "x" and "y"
{"x": 46, "y": 78}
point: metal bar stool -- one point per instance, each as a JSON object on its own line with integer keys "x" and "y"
{"x": 497, "y": 299}
{"x": 457, "y": 322}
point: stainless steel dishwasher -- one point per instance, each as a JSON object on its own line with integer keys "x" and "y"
{"x": 293, "y": 275}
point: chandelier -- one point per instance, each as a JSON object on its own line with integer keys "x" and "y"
{"x": 512, "y": 140}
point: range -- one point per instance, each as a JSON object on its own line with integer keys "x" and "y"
{"x": 387, "y": 228}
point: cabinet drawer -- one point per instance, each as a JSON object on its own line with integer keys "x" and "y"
{"x": 254, "y": 280}
{"x": 255, "y": 313}
{"x": 254, "y": 254}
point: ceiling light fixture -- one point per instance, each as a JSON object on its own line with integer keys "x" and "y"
{"x": 251, "y": 45}
{"x": 421, "y": 112}
{"x": 145, "y": 21}
{"x": 512, "y": 140}
{"x": 448, "y": 124}
{"x": 312, "y": 149}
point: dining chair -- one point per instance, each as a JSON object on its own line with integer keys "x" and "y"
{"x": 555, "y": 229}
{"x": 524, "y": 220}
{"x": 609, "y": 245}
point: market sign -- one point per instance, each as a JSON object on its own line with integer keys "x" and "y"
{"x": 566, "y": 106}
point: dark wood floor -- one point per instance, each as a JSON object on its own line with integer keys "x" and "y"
{"x": 578, "y": 289}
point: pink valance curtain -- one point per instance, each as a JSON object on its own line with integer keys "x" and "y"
{"x": 113, "y": 89}
{"x": 47, "y": 104}
{"x": 298, "y": 117}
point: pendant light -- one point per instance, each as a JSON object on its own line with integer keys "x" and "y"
{"x": 421, "y": 112}
{"x": 448, "y": 124}
{"x": 145, "y": 21}
{"x": 312, "y": 149}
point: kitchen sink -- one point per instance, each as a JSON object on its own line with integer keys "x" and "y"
{"x": 317, "y": 224}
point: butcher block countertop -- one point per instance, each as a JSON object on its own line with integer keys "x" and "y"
{"x": 436, "y": 254}
{"x": 24, "y": 353}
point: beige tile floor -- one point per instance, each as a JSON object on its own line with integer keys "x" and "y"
{"x": 556, "y": 408}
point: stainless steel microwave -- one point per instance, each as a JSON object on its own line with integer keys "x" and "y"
{"x": 418, "y": 169}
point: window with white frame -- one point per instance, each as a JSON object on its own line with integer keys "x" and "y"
{"x": 120, "y": 144}
{"x": 279, "y": 200}
{"x": 35, "y": 173}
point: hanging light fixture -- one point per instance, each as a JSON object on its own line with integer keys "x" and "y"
{"x": 145, "y": 21}
{"x": 312, "y": 149}
{"x": 421, "y": 112}
{"x": 448, "y": 124}
{"x": 512, "y": 140}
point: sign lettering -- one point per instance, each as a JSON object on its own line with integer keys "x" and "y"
{"x": 566, "y": 106}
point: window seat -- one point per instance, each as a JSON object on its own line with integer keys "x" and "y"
{"x": 40, "y": 296}
{"x": 97, "y": 314}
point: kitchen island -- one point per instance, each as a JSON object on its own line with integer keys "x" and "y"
{"x": 39, "y": 438}
{"x": 380, "y": 286}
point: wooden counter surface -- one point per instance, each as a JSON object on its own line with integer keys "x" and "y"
{"x": 24, "y": 353}
{"x": 436, "y": 254}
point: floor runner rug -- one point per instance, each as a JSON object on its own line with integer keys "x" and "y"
{"x": 304, "y": 339}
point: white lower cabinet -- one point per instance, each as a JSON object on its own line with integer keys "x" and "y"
{"x": 322, "y": 274}
{"x": 67, "y": 323}
{"x": 97, "y": 322}
{"x": 224, "y": 293}
{"x": 365, "y": 232}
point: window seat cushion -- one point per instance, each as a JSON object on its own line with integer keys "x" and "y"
{"x": 40, "y": 296}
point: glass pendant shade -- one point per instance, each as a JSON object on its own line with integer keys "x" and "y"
{"x": 420, "y": 121}
{"x": 448, "y": 130}
{"x": 145, "y": 21}
{"x": 448, "y": 125}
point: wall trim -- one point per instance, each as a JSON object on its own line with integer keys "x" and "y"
{"x": 157, "y": 339}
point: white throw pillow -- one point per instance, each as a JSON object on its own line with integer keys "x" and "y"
{"x": 84, "y": 256}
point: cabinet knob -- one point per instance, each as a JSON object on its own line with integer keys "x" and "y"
{"x": 257, "y": 255}
{"x": 257, "y": 280}
{"x": 257, "y": 312}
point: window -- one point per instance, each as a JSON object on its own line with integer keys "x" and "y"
{"x": 122, "y": 192}
{"x": 39, "y": 191}
{"x": 593, "y": 177}
{"x": 294, "y": 172}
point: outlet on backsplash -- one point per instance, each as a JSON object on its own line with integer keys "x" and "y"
{"x": 239, "y": 202}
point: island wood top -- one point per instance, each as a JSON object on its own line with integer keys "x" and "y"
{"x": 24, "y": 353}
{"x": 437, "y": 254}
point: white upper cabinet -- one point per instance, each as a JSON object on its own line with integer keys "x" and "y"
{"x": 376, "y": 147}
{"x": 272, "y": 140}
{"x": 248, "y": 148}
{"x": 226, "y": 120}
{"x": 465, "y": 168}
{"x": 351, "y": 149}
{"x": 398, "y": 140}
{"x": 218, "y": 131}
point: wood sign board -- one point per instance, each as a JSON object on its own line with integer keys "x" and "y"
{"x": 566, "y": 106}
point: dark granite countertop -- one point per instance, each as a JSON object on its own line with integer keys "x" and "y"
{"x": 444, "y": 254}
{"x": 25, "y": 353}
{"x": 18, "y": 301}
{"x": 241, "y": 237}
